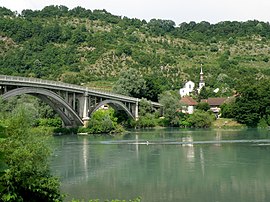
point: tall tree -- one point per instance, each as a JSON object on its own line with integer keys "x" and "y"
{"x": 27, "y": 176}
{"x": 171, "y": 107}
{"x": 253, "y": 103}
{"x": 130, "y": 83}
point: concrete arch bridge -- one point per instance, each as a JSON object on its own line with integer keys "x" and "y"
{"x": 73, "y": 103}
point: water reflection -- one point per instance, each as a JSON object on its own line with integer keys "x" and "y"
{"x": 218, "y": 137}
{"x": 202, "y": 161}
{"x": 85, "y": 151}
{"x": 174, "y": 166}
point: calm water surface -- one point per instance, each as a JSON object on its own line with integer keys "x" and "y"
{"x": 166, "y": 166}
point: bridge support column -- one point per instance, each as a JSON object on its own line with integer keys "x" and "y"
{"x": 137, "y": 110}
{"x": 85, "y": 117}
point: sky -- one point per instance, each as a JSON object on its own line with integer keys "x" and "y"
{"x": 179, "y": 11}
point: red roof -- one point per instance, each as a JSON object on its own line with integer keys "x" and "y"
{"x": 188, "y": 101}
{"x": 217, "y": 101}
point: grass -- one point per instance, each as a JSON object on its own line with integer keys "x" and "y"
{"x": 226, "y": 123}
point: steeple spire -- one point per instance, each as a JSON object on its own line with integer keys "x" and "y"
{"x": 201, "y": 76}
{"x": 201, "y": 83}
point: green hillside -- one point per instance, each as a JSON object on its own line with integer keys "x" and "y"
{"x": 93, "y": 47}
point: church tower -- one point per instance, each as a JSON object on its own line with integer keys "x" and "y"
{"x": 201, "y": 83}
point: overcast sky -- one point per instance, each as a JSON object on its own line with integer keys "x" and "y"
{"x": 179, "y": 11}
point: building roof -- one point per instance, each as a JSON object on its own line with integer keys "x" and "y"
{"x": 217, "y": 101}
{"x": 188, "y": 101}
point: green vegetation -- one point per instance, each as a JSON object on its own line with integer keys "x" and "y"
{"x": 25, "y": 174}
{"x": 252, "y": 105}
{"x": 115, "y": 200}
{"x": 133, "y": 57}
{"x": 227, "y": 123}
{"x": 173, "y": 116}
{"x": 171, "y": 103}
{"x": 201, "y": 119}
{"x": 130, "y": 83}
{"x": 90, "y": 47}
{"x": 141, "y": 59}
{"x": 102, "y": 121}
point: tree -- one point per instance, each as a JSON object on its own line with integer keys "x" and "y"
{"x": 204, "y": 106}
{"x": 201, "y": 119}
{"x": 253, "y": 103}
{"x": 227, "y": 110}
{"x": 103, "y": 121}
{"x": 171, "y": 107}
{"x": 3, "y": 165}
{"x": 160, "y": 27}
{"x": 6, "y": 12}
{"x": 79, "y": 35}
{"x": 155, "y": 85}
{"x": 145, "y": 107}
{"x": 130, "y": 83}
{"x": 27, "y": 176}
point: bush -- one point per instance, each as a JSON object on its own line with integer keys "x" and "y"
{"x": 201, "y": 119}
{"x": 103, "y": 121}
{"x": 27, "y": 176}
{"x": 231, "y": 41}
{"x": 227, "y": 110}
{"x": 146, "y": 121}
{"x": 266, "y": 59}
{"x": 263, "y": 123}
{"x": 57, "y": 122}
{"x": 204, "y": 106}
{"x": 114, "y": 200}
{"x": 214, "y": 49}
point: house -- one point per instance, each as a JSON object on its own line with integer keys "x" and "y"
{"x": 215, "y": 103}
{"x": 188, "y": 104}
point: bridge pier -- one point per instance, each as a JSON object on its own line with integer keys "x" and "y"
{"x": 136, "y": 114}
{"x": 85, "y": 116}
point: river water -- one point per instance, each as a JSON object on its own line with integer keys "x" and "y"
{"x": 166, "y": 165}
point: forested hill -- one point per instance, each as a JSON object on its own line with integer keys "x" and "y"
{"x": 82, "y": 46}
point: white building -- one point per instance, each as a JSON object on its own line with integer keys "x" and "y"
{"x": 188, "y": 88}
{"x": 190, "y": 85}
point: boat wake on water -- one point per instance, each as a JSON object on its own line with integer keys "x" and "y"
{"x": 258, "y": 142}
{"x": 255, "y": 142}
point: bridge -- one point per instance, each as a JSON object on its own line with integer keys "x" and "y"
{"x": 75, "y": 104}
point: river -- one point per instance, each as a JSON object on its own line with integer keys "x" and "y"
{"x": 166, "y": 165}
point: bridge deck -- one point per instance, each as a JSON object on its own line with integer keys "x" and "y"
{"x": 41, "y": 83}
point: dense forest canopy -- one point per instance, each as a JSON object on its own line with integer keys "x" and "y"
{"x": 83, "y": 46}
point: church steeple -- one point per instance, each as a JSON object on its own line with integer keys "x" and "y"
{"x": 201, "y": 76}
{"x": 201, "y": 83}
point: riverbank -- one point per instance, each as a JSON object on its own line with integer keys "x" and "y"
{"x": 221, "y": 123}
{"x": 227, "y": 123}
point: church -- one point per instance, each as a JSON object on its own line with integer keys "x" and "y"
{"x": 189, "y": 104}
{"x": 190, "y": 85}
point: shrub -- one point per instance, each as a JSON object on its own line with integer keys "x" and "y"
{"x": 201, "y": 119}
{"x": 57, "y": 122}
{"x": 204, "y": 106}
{"x": 104, "y": 121}
{"x": 148, "y": 120}
{"x": 27, "y": 176}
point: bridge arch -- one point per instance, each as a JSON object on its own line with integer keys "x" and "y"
{"x": 114, "y": 104}
{"x": 52, "y": 99}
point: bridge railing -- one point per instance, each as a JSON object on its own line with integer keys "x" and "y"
{"x": 66, "y": 85}
{"x": 40, "y": 81}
